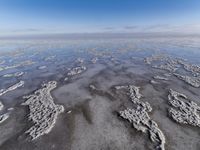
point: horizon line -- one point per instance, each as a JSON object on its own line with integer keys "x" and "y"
{"x": 98, "y": 35}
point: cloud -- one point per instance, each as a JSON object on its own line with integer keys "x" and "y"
{"x": 27, "y": 30}
{"x": 157, "y": 27}
{"x": 185, "y": 28}
{"x": 109, "y": 28}
{"x": 130, "y": 27}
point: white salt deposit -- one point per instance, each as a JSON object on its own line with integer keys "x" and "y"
{"x": 139, "y": 117}
{"x": 43, "y": 110}
{"x": 194, "y": 81}
{"x": 181, "y": 111}
{"x": 11, "y": 88}
{"x": 1, "y": 106}
{"x": 76, "y": 70}
{"x": 4, "y": 117}
{"x": 17, "y": 74}
{"x": 160, "y": 78}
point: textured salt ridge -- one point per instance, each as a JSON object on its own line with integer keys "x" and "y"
{"x": 25, "y": 63}
{"x": 160, "y": 78}
{"x": 76, "y": 70}
{"x": 94, "y": 60}
{"x": 173, "y": 64}
{"x": 43, "y": 110}
{"x": 190, "y": 67}
{"x": 154, "y": 82}
{"x": 1, "y": 106}
{"x": 17, "y": 74}
{"x": 4, "y": 117}
{"x": 149, "y": 60}
{"x": 11, "y": 88}
{"x": 2, "y": 62}
{"x": 49, "y": 58}
{"x": 194, "y": 81}
{"x": 183, "y": 112}
{"x": 140, "y": 119}
{"x": 42, "y": 67}
{"x": 92, "y": 87}
{"x": 80, "y": 60}
{"x": 170, "y": 65}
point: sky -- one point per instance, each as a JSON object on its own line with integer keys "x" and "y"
{"x": 94, "y": 16}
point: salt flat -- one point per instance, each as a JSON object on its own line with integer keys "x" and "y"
{"x": 113, "y": 93}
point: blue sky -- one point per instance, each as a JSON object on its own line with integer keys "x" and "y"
{"x": 88, "y": 16}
